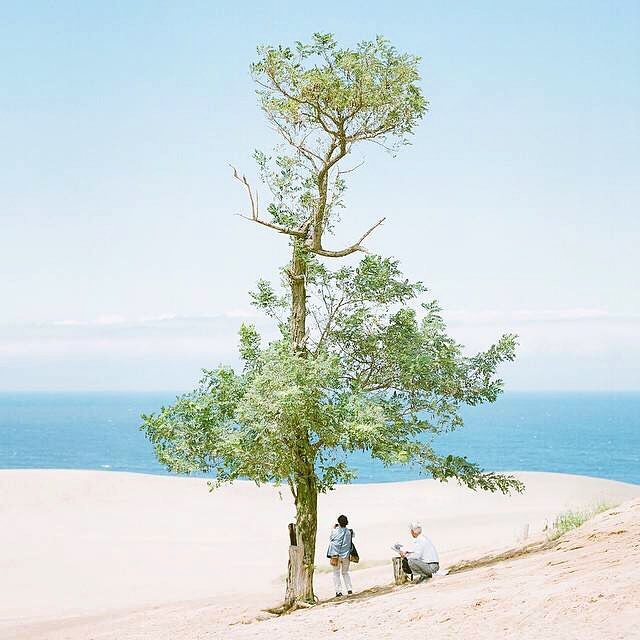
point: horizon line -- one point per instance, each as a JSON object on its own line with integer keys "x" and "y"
{"x": 133, "y": 390}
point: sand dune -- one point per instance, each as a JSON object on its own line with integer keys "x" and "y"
{"x": 123, "y": 556}
{"x": 586, "y": 587}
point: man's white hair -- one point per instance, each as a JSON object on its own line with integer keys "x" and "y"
{"x": 416, "y": 527}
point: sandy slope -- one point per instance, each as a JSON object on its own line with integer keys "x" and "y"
{"x": 587, "y": 587}
{"x": 123, "y": 556}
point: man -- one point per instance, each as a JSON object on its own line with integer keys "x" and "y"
{"x": 420, "y": 555}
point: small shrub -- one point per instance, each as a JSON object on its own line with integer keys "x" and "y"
{"x": 570, "y": 520}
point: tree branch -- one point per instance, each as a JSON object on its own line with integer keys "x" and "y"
{"x": 341, "y": 173}
{"x": 329, "y": 322}
{"x": 322, "y": 181}
{"x": 356, "y": 246}
{"x": 277, "y": 86}
{"x": 300, "y": 232}
{"x": 305, "y": 151}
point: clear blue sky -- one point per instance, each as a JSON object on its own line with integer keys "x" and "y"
{"x": 123, "y": 266}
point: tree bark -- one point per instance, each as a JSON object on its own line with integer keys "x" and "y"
{"x": 295, "y": 573}
{"x": 297, "y": 276}
{"x": 302, "y": 556}
{"x": 399, "y": 576}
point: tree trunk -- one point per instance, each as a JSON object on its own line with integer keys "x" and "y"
{"x": 399, "y": 576}
{"x": 302, "y": 555}
{"x": 295, "y": 573}
{"x": 297, "y": 275}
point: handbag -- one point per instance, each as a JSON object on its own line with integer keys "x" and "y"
{"x": 353, "y": 556}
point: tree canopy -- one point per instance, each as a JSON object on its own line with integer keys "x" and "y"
{"x": 383, "y": 377}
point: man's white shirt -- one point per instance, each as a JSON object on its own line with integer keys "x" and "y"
{"x": 421, "y": 548}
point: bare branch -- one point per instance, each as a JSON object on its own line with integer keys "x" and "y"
{"x": 300, "y": 232}
{"x": 357, "y": 246}
{"x": 245, "y": 182}
{"x": 341, "y": 173}
{"x": 276, "y": 227}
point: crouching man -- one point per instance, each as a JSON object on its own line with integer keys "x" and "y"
{"x": 419, "y": 557}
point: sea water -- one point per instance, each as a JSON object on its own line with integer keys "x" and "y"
{"x": 594, "y": 434}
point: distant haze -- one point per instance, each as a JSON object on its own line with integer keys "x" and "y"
{"x": 122, "y": 265}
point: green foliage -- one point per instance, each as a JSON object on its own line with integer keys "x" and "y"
{"x": 369, "y": 91}
{"x": 323, "y": 100}
{"x": 291, "y": 182}
{"x": 380, "y": 378}
{"x": 570, "y": 520}
{"x": 364, "y": 361}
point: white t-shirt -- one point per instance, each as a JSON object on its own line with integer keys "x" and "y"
{"x": 421, "y": 548}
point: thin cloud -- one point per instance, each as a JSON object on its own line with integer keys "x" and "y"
{"x": 588, "y": 346}
{"x": 536, "y": 316}
{"x": 119, "y": 320}
{"x": 163, "y": 334}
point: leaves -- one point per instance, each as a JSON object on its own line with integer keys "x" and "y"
{"x": 322, "y": 100}
{"x": 363, "y": 92}
{"x": 384, "y": 377}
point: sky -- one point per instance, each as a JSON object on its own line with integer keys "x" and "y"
{"x": 123, "y": 266}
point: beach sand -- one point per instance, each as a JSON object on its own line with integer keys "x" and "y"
{"x": 122, "y": 556}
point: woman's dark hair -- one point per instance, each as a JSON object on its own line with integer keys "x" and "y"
{"x": 343, "y": 521}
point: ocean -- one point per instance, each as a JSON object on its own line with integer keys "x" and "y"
{"x": 593, "y": 434}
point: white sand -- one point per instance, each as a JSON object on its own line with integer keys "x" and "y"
{"x": 83, "y": 550}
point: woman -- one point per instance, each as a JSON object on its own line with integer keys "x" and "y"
{"x": 339, "y": 552}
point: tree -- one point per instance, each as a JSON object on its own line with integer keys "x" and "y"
{"x": 363, "y": 361}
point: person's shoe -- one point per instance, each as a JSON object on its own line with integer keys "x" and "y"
{"x": 420, "y": 579}
{"x": 338, "y": 595}
{"x": 349, "y": 593}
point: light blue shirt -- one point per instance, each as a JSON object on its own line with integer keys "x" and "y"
{"x": 340, "y": 542}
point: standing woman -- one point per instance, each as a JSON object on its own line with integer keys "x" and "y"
{"x": 339, "y": 553}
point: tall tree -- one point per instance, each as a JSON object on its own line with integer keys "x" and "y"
{"x": 360, "y": 365}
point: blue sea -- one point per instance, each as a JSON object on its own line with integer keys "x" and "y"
{"x": 593, "y": 434}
